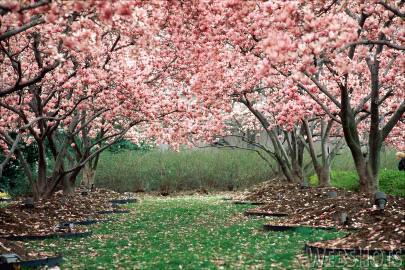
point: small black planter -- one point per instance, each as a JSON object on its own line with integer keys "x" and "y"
{"x": 227, "y": 199}
{"x": 310, "y": 249}
{"x": 47, "y": 236}
{"x": 248, "y": 203}
{"x": 5, "y": 200}
{"x": 264, "y": 214}
{"x": 28, "y": 203}
{"x": 50, "y": 262}
{"x": 86, "y": 222}
{"x": 331, "y": 194}
{"x": 123, "y": 201}
{"x": 107, "y": 212}
{"x": 279, "y": 228}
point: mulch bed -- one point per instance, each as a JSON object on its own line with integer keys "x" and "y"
{"x": 32, "y": 259}
{"x": 46, "y": 261}
{"x": 19, "y": 222}
{"x": 8, "y": 246}
{"x": 314, "y": 207}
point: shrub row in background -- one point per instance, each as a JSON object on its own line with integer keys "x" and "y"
{"x": 219, "y": 169}
{"x": 129, "y": 168}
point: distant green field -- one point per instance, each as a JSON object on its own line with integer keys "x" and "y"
{"x": 391, "y": 181}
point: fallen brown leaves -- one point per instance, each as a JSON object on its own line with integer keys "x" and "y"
{"x": 316, "y": 207}
{"x": 46, "y": 216}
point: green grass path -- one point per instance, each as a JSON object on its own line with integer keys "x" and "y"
{"x": 184, "y": 233}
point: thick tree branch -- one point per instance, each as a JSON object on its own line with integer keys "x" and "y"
{"x": 393, "y": 121}
{"x": 13, "y": 147}
{"x": 34, "y": 22}
{"x": 35, "y": 4}
{"x": 38, "y": 78}
{"x": 320, "y": 103}
{"x": 394, "y": 10}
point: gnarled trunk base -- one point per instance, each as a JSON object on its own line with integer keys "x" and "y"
{"x": 88, "y": 176}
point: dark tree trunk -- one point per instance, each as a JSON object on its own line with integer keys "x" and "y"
{"x": 367, "y": 183}
{"x": 68, "y": 186}
{"x": 324, "y": 176}
{"x": 70, "y": 182}
{"x": 41, "y": 182}
{"x": 88, "y": 175}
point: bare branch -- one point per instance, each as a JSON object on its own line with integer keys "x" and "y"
{"x": 242, "y": 148}
{"x": 374, "y": 42}
{"x": 159, "y": 74}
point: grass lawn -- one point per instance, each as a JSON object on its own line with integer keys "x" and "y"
{"x": 184, "y": 233}
{"x": 391, "y": 181}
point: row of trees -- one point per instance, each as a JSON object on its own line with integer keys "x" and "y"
{"x": 78, "y": 76}
{"x": 291, "y": 62}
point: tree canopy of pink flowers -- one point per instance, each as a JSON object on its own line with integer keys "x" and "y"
{"x": 181, "y": 72}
